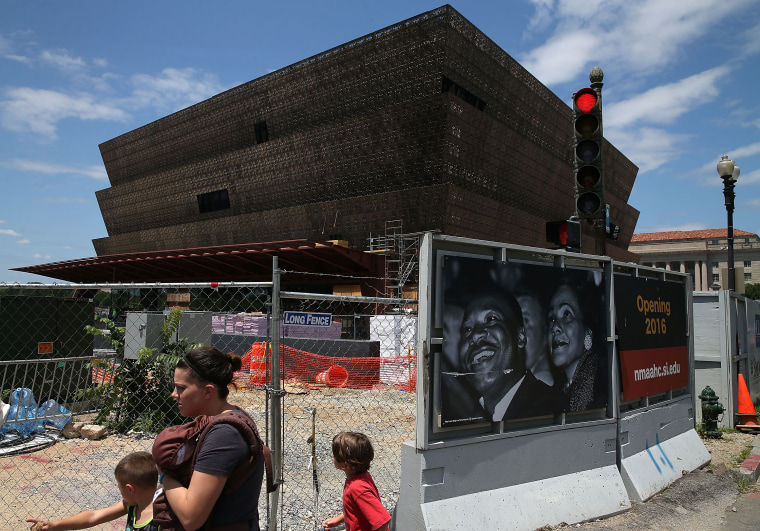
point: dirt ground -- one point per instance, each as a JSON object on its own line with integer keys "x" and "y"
{"x": 75, "y": 474}
{"x": 48, "y": 483}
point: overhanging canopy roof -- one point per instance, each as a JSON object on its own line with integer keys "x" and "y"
{"x": 304, "y": 261}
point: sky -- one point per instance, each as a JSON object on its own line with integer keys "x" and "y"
{"x": 681, "y": 88}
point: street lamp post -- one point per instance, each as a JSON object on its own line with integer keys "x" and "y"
{"x": 729, "y": 172}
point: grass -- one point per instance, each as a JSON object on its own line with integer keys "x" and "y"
{"x": 739, "y": 459}
{"x": 745, "y": 484}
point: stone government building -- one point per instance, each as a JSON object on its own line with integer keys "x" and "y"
{"x": 700, "y": 253}
{"x": 427, "y": 121}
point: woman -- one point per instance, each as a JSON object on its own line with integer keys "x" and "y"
{"x": 576, "y": 341}
{"x": 200, "y": 387}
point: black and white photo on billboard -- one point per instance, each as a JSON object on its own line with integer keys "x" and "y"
{"x": 520, "y": 340}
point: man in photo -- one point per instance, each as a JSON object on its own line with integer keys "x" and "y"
{"x": 492, "y": 354}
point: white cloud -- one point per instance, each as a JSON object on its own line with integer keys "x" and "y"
{"x": 37, "y": 110}
{"x": 9, "y": 232}
{"x": 23, "y": 241}
{"x": 62, "y": 59}
{"x": 745, "y": 151}
{"x": 19, "y": 58}
{"x": 562, "y": 57}
{"x": 665, "y": 103}
{"x": 94, "y": 172}
{"x": 647, "y": 147}
{"x": 37, "y": 255}
{"x": 636, "y": 36}
{"x": 542, "y": 16}
{"x": 173, "y": 88}
{"x": 752, "y": 41}
{"x": 7, "y": 51}
{"x": 752, "y": 177}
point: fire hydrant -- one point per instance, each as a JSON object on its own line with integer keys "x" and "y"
{"x": 711, "y": 409}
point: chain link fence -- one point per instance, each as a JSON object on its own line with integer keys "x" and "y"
{"x": 104, "y": 355}
{"x": 357, "y": 374}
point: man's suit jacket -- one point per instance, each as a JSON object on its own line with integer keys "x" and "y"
{"x": 534, "y": 398}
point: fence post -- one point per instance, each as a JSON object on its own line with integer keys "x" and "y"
{"x": 276, "y": 410}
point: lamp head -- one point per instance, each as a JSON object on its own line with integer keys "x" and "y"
{"x": 726, "y": 167}
{"x": 735, "y": 173}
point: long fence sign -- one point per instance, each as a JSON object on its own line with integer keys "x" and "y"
{"x": 652, "y": 335}
{"x": 307, "y": 319}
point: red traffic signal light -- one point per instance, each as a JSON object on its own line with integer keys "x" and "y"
{"x": 585, "y": 100}
{"x": 564, "y": 234}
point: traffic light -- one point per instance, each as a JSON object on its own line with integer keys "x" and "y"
{"x": 587, "y": 144}
{"x": 565, "y": 234}
{"x": 556, "y": 232}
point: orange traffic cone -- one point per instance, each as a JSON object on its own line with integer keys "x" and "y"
{"x": 746, "y": 410}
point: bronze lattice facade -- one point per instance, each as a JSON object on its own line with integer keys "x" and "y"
{"x": 427, "y": 121}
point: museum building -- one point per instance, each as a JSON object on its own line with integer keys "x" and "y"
{"x": 427, "y": 122}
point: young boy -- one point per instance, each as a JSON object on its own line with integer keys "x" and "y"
{"x": 136, "y": 476}
{"x": 362, "y": 508}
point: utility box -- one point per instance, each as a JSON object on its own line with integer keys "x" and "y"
{"x": 195, "y": 327}
{"x": 37, "y": 335}
{"x": 143, "y": 330}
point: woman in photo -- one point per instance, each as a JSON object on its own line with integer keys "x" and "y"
{"x": 577, "y": 347}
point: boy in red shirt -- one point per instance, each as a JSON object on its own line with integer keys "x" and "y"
{"x": 362, "y": 508}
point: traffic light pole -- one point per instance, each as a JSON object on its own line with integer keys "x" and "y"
{"x": 588, "y": 166}
{"x": 596, "y": 76}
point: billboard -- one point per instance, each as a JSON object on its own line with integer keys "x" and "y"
{"x": 652, "y": 335}
{"x": 520, "y": 340}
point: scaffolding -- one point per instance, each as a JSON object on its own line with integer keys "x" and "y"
{"x": 401, "y": 257}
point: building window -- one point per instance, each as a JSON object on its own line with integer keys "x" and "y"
{"x": 714, "y": 242}
{"x": 747, "y": 277}
{"x": 462, "y": 93}
{"x": 748, "y": 263}
{"x": 211, "y": 201}
{"x": 715, "y": 265}
{"x": 716, "y": 279}
{"x": 260, "y": 130}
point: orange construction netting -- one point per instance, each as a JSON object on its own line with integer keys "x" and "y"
{"x": 315, "y": 371}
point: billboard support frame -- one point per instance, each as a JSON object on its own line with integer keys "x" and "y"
{"x": 473, "y": 472}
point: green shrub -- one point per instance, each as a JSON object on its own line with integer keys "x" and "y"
{"x": 139, "y": 396}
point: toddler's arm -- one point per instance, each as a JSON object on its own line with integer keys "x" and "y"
{"x": 82, "y": 520}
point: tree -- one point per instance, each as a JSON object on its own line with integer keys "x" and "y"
{"x": 752, "y": 291}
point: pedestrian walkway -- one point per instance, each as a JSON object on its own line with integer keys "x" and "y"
{"x": 744, "y": 514}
